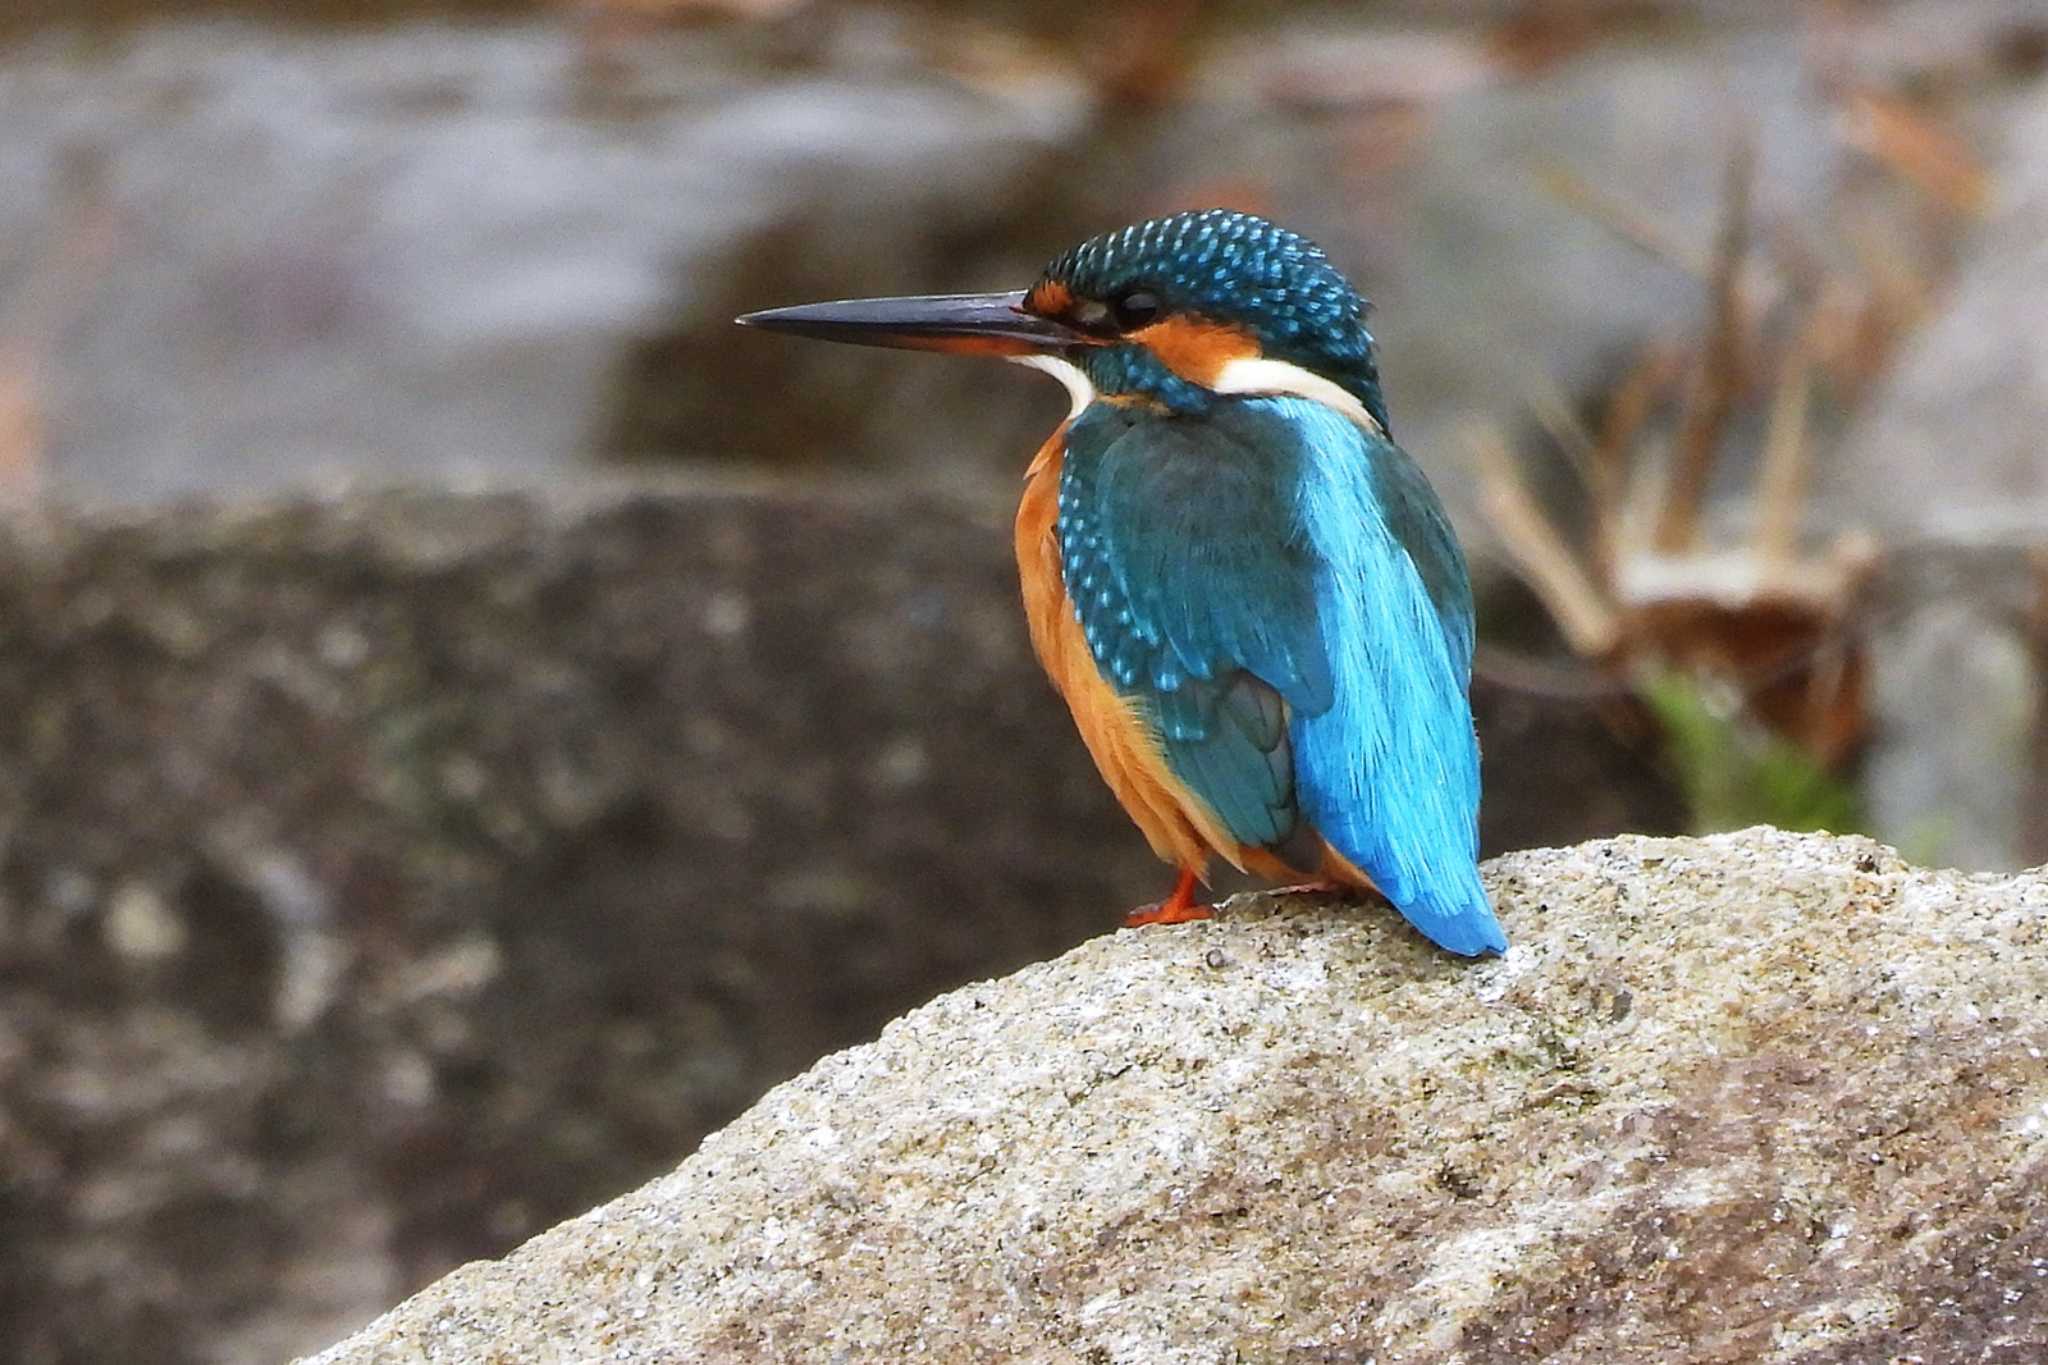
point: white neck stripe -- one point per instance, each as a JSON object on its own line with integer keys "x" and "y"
{"x": 1244, "y": 375}
{"x": 1263, "y": 374}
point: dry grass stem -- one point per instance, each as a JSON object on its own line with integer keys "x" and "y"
{"x": 64, "y": 271}
{"x": 1562, "y": 425}
{"x": 1918, "y": 150}
{"x": 1792, "y": 316}
{"x": 21, "y": 433}
{"x": 1629, "y": 407}
{"x": 1636, "y": 226}
{"x": 1719, "y": 373}
{"x": 1540, "y": 552}
{"x": 1899, "y": 296}
{"x": 1781, "y": 483}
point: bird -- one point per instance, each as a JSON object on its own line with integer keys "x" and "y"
{"x": 1250, "y": 597}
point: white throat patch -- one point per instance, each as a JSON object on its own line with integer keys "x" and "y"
{"x": 1079, "y": 390}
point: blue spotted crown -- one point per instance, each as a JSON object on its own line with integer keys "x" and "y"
{"x": 1238, "y": 268}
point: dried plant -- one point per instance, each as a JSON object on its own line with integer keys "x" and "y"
{"x": 1757, "y": 624}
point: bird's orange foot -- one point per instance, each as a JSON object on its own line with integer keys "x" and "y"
{"x": 1179, "y": 908}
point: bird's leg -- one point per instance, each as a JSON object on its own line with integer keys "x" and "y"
{"x": 1178, "y": 908}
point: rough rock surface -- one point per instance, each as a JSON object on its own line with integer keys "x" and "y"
{"x": 1754, "y": 1097}
{"x": 382, "y": 881}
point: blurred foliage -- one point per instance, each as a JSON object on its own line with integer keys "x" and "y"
{"x": 1736, "y": 773}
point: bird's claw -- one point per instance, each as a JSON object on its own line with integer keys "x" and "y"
{"x": 1166, "y": 912}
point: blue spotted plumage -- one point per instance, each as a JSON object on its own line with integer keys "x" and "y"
{"x": 1278, "y": 588}
{"x": 1193, "y": 586}
{"x": 1249, "y": 596}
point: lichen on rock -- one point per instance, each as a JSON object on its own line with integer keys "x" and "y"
{"x": 1752, "y": 1097}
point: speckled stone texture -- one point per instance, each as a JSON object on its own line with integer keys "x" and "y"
{"x": 1754, "y": 1097}
{"x": 384, "y": 879}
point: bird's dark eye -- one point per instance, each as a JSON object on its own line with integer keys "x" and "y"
{"x": 1136, "y": 308}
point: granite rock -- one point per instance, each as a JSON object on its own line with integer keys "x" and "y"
{"x": 383, "y": 880}
{"x": 1755, "y": 1097}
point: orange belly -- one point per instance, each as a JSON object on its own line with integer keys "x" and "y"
{"x": 1178, "y": 825}
{"x": 1118, "y": 737}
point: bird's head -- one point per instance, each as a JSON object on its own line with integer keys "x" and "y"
{"x": 1173, "y": 311}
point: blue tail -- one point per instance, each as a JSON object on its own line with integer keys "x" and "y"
{"x": 1389, "y": 773}
{"x": 1401, "y": 825}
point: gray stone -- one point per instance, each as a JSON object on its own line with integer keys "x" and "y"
{"x": 261, "y": 258}
{"x": 1755, "y": 1097}
{"x": 258, "y": 258}
{"x": 1957, "y": 696}
{"x": 381, "y": 882}
{"x": 384, "y": 880}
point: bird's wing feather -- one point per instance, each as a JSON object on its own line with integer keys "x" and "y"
{"x": 1416, "y": 520}
{"x": 1194, "y": 589}
{"x": 1273, "y": 553}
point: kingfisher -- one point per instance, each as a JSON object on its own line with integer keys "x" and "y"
{"x": 1248, "y": 595}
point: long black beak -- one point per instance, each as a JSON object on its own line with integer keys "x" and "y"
{"x": 969, "y": 324}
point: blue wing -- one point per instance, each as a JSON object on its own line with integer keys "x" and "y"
{"x": 1283, "y": 594}
{"x": 1194, "y": 586}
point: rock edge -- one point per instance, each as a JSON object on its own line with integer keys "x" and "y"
{"x": 1757, "y": 1096}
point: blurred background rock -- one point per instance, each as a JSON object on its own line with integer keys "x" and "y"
{"x": 386, "y": 874}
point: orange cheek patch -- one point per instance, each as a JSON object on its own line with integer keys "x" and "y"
{"x": 1195, "y": 348}
{"x": 1049, "y": 299}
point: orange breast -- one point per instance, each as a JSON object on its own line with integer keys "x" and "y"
{"x": 1175, "y": 822}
